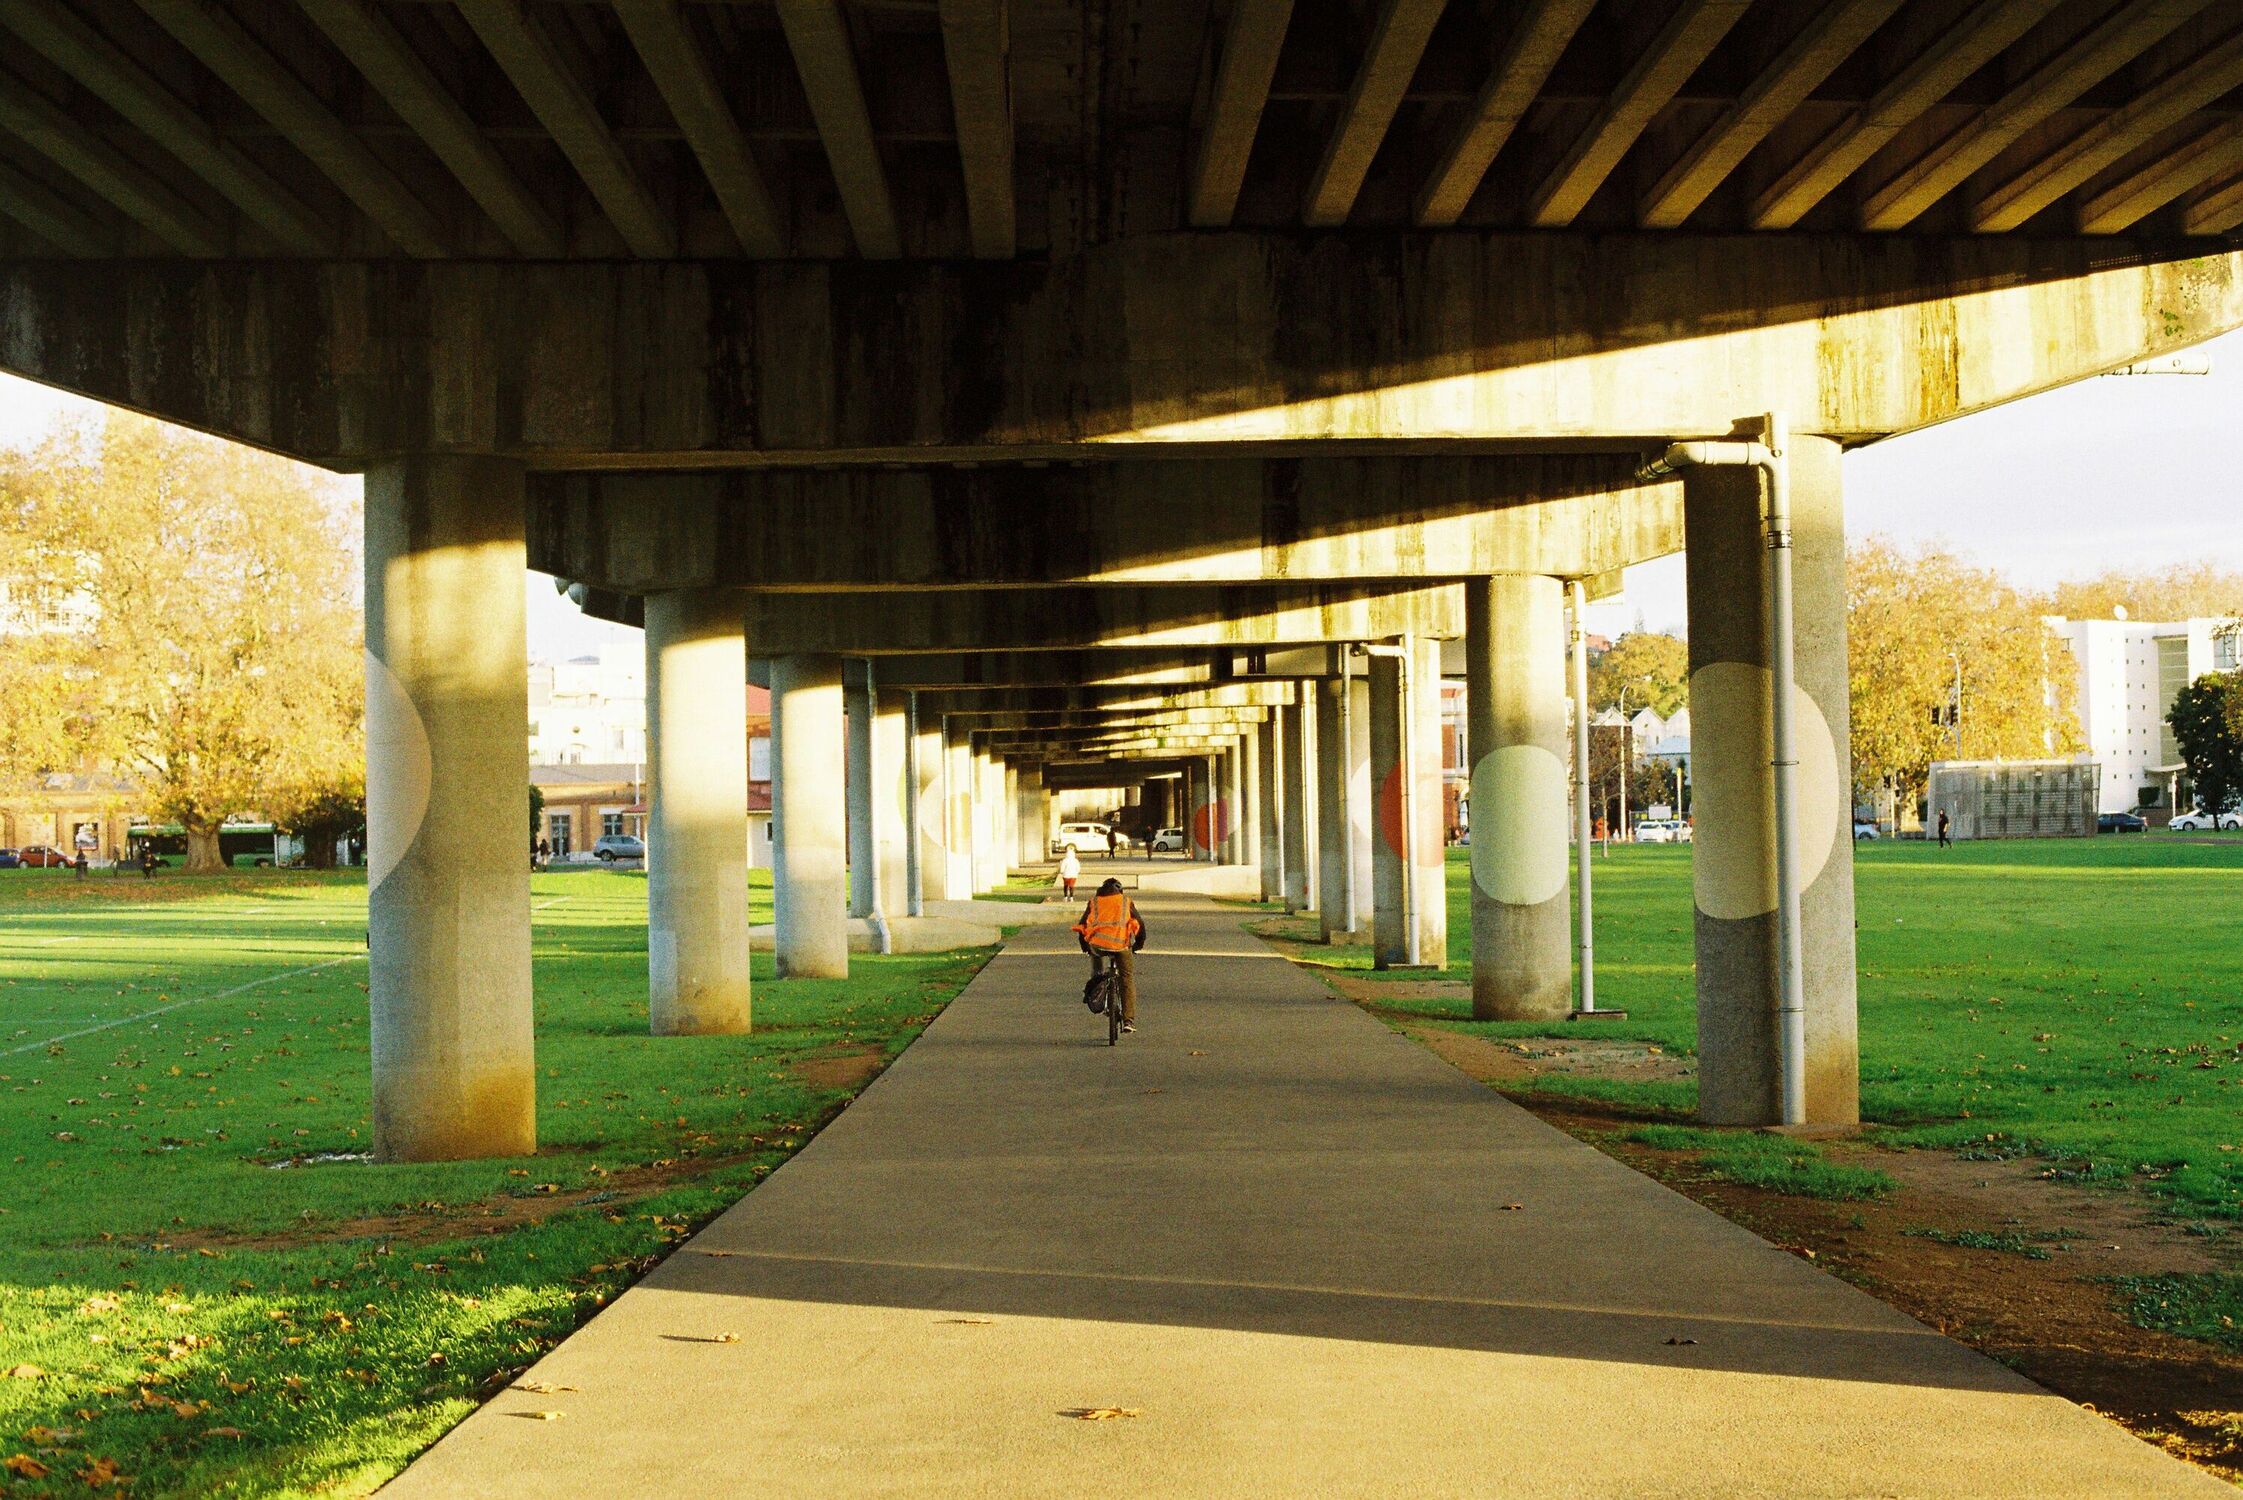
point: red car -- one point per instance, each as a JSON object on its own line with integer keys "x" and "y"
{"x": 44, "y": 857}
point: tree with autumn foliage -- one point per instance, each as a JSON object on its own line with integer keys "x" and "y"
{"x": 1642, "y": 669}
{"x": 180, "y": 614}
{"x": 2184, "y": 591}
{"x": 1911, "y": 619}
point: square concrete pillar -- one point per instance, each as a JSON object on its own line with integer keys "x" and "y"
{"x": 929, "y": 760}
{"x": 1515, "y": 693}
{"x": 1299, "y": 799}
{"x": 809, "y": 818}
{"x": 1337, "y": 909}
{"x": 877, "y": 853}
{"x": 1410, "y": 918}
{"x": 1268, "y": 758}
{"x": 1733, "y": 864}
{"x": 697, "y": 826}
{"x": 1031, "y": 840}
{"x": 958, "y": 810}
{"x": 988, "y": 793}
{"x": 447, "y": 842}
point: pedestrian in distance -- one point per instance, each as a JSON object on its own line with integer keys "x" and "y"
{"x": 1111, "y": 932}
{"x": 1944, "y": 840}
{"x": 1110, "y": 841}
{"x": 1070, "y": 871}
{"x": 148, "y": 860}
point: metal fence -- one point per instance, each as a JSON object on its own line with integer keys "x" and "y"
{"x": 2014, "y": 799}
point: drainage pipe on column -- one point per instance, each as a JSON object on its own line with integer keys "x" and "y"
{"x": 1580, "y": 649}
{"x": 1768, "y": 457}
{"x": 882, "y": 940}
{"x": 1406, "y": 743}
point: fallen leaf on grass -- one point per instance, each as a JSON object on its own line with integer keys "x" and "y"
{"x": 94, "y": 1305}
{"x": 26, "y": 1372}
{"x": 541, "y": 1387}
{"x": 24, "y": 1466}
{"x": 222, "y": 1432}
{"x": 1101, "y": 1413}
{"x": 102, "y": 1471}
{"x": 51, "y": 1437}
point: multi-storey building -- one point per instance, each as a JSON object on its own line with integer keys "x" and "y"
{"x": 2129, "y": 673}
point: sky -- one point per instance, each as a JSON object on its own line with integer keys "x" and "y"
{"x": 2119, "y": 471}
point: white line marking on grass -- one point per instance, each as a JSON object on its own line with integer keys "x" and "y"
{"x": 69, "y": 1036}
{"x": 556, "y": 901}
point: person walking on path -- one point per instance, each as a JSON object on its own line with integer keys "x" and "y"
{"x": 1070, "y": 871}
{"x": 1944, "y": 840}
{"x": 1111, "y": 932}
{"x": 1111, "y": 841}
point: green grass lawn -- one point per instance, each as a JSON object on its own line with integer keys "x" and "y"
{"x": 192, "y": 1295}
{"x": 2075, "y": 999}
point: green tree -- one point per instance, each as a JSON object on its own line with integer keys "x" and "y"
{"x": 1913, "y": 618}
{"x": 322, "y": 814}
{"x": 537, "y": 810}
{"x": 1651, "y": 669}
{"x": 198, "y": 627}
{"x": 2207, "y": 720}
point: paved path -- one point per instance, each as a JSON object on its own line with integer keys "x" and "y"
{"x": 1286, "y": 1237}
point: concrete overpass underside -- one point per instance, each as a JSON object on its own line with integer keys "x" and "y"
{"x": 1036, "y": 396}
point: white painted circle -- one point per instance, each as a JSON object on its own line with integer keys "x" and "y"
{"x": 1732, "y": 796}
{"x": 399, "y": 771}
{"x": 1518, "y": 825}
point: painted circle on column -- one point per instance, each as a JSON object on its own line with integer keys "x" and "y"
{"x": 1732, "y": 869}
{"x": 1211, "y": 824}
{"x": 399, "y": 772}
{"x": 1518, "y": 825}
{"x": 1390, "y": 810}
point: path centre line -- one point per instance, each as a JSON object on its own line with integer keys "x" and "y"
{"x": 69, "y": 1036}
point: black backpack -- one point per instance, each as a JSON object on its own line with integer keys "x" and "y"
{"x": 1102, "y": 990}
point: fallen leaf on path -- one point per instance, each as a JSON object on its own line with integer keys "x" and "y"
{"x": 1195, "y": 1052}
{"x": 980, "y": 1322}
{"x": 540, "y": 1416}
{"x": 1682, "y": 1341}
{"x": 1155, "y": 1091}
{"x": 1101, "y": 1413}
{"x": 542, "y": 1387}
{"x": 1508, "y": 1207}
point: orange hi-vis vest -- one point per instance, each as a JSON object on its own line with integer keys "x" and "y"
{"x": 1110, "y": 925}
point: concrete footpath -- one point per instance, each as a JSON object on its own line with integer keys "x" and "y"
{"x": 1307, "y": 1255}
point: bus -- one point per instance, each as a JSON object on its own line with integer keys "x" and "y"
{"x": 252, "y": 844}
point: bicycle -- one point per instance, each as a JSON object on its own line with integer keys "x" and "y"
{"x": 1104, "y": 993}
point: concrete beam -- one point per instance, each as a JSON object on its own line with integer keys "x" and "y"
{"x": 818, "y": 36}
{"x": 1018, "y": 719}
{"x": 1830, "y": 37}
{"x": 106, "y": 172}
{"x": 1050, "y": 619}
{"x": 2217, "y": 212}
{"x": 1537, "y": 40}
{"x": 364, "y": 36}
{"x": 976, "y": 49}
{"x": 2106, "y": 142}
{"x": 1692, "y": 32}
{"x": 1123, "y": 668}
{"x": 2208, "y": 157}
{"x": 1204, "y": 521}
{"x": 1248, "y": 61}
{"x": 966, "y": 703}
{"x": 1974, "y": 40}
{"x": 121, "y": 83}
{"x": 1389, "y": 63}
{"x": 565, "y": 107}
{"x": 1443, "y": 343}
{"x": 696, "y": 99}
{"x": 2100, "y": 51}
{"x": 222, "y": 45}
{"x": 45, "y": 213}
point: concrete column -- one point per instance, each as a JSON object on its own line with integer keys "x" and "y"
{"x": 958, "y": 784}
{"x": 1031, "y": 844}
{"x": 1204, "y": 812}
{"x": 1235, "y": 819}
{"x": 1008, "y": 816}
{"x": 892, "y": 829}
{"x": 1406, "y": 874}
{"x": 876, "y": 799}
{"x": 1362, "y": 805}
{"x": 1335, "y": 855}
{"x": 1299, "y": 833}
{"x": 447, "y": 838}
{"x": 988, "y": 792}
{"x": 1733, "y": 879}
{"x": 697, "y": 827}
{"x": 809, "y": 818}
{"x": 864, "y": 837}
{"x": 922, "y": 771}
{"x": 1515, "y": 693}
{"x": 1269, "y": 804}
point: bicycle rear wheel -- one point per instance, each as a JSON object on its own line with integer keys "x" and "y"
{"x": 1113, "y": 1016}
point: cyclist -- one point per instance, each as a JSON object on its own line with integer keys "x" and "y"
{"x": 1111, "y": 932}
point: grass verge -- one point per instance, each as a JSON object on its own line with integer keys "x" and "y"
{"x": 1773, "y": 1163}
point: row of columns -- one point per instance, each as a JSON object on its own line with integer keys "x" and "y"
{"x": 448, "y": 875}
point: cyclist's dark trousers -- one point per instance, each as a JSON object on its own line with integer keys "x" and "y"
{"x": 1126, "y": 961}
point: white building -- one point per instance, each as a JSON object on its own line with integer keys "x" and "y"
{"x": 590, "y": 710}
{"x": 2129, "y": 673}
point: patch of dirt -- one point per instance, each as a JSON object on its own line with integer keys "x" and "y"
{"x": 1522, "y": 1059}
{"x": 848, "y": 1068}
{"x": 2051, "y": 1320}
{"x": 1372, "y": 991}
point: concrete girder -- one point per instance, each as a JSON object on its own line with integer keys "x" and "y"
{"x": 967, "y": 702}
{"x": 1204, "y": 521}
{"x": 1252, "y": 39}
{"x": 1054, "y": 669}
{"x": 1098, "y": 718}
{"x": 1432, "y": 342}
{"x": 1537, "y": 40}
{"x": 1075, "y": 619}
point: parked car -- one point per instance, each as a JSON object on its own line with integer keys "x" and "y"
{"x": 2197, "y": 820}
{"x": 9, "y": 859}
{"x": 1662, "y": 831}
{"x": 44, "y": 857}
{"x": 2119, "y": 823}
{"x": 1866, "y": 829}
{"x": 1169, "y": 841}
{"x": 610, "y": 847}
{"x": 1087, "y": 838}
